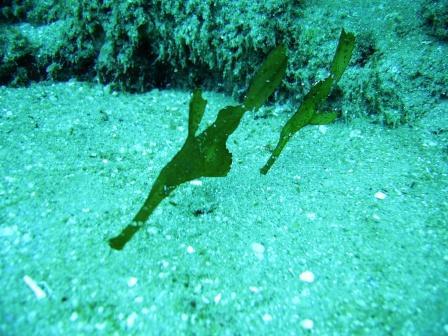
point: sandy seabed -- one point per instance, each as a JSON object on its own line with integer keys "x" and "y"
{"x": 346, "y": 235}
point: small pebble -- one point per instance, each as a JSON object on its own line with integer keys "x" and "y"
{"x": 307, "y": 324}
{"x": 258, "y": 250}
{"x": 132, "y": 281}
{"x": 74, "y": 316}
{"x": 376, "y": 217}
{"x": 130, "y": 321}
{"x": 254, "y": 289}
{"x": 8, "y": 231}
{"x": 190, "y": 249}
{"x": 323, "y": 129}
{"x": 100, "y": 325}
{"x": 267, "y": 317}
{"x": 380, "y": 195}
{"x": 152, "y": 230}
{"x": 355, "y": 133}
{"x": 295, "y": 300}
{"x": 307, "y": 276}
{"x": 217, "y": 298}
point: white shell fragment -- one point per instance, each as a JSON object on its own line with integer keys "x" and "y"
{"x": 197, "y": 183}
{"x": 39, "y": 292}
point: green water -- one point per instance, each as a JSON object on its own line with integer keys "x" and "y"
{"x": 346, "y": 235}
